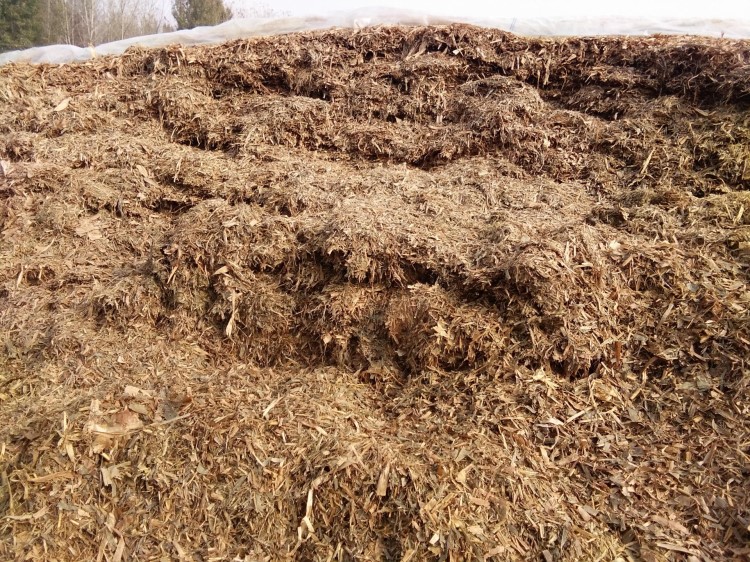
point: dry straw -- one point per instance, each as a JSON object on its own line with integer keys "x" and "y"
{"x": 434, "y": 293}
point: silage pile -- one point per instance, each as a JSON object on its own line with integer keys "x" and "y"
{"x": 397, "y": 294}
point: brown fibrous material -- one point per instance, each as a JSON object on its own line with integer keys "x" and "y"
{"x": 432, "y": 293}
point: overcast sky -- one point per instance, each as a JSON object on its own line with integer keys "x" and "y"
{"x": 530, "y": 8}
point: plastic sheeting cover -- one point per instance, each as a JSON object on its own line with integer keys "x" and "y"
{"x": 357, "y": 19}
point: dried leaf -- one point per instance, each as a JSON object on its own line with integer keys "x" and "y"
{"x": 138, "y": 408}
{"x": 135, "y": 392}
{"x": 29, "y": 516}
{"x": 63, "y": 105}
{"x": 440, "y": 330}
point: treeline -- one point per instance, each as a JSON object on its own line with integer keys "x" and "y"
{"x": 28, "y": 23}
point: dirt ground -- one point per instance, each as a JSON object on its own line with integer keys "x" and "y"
{"x": 436, "y": 293}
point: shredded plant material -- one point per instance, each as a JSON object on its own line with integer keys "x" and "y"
{"x": 430, "y": 293}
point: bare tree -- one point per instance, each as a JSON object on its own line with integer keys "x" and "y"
{"x": 192, "y": 13}
{"x": 128, "y": 18}
{"x": 92, "y": 22}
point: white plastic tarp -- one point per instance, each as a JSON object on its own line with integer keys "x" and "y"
{"x": 357, "y": 19}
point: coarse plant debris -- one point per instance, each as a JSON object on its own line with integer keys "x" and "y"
{"x": 402, "y": 293}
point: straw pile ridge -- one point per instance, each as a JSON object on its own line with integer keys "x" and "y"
{"x": 436, "y": 293}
